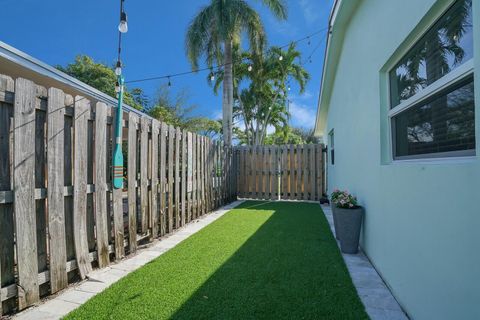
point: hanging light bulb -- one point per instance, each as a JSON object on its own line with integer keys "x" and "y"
{"x": 212, "y": 76}
{"x": 309, "y": 42}
{"x": 118, "y": 68}
{"x": 280, "y": 58}
{"x": 455, "y": 38}
{"x": 123, "y": 26}
{"x": 250, "y": 68}
{"x": 289, "y": 88}
{"x": 117, "y": 87}
{"x": 169, "y": 82}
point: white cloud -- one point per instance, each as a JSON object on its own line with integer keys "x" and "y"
{"x": 307, "y": 95}
{"x": 217, "y": 114}
{"x": 310, "y": 11}
{"x": 302, "y": 115}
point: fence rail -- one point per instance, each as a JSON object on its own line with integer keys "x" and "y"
{"x": 294, "y": 172}
{"x": 59, "y": 216}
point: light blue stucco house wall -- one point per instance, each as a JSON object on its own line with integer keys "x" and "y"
{"x": 422, "y": 223}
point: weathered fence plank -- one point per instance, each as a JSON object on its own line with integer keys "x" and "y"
{"x": 56, "y": 199}
{"x": 132, "y": 181}
{"x": 24, "y": 186}
{"x": 194, "y": 176}
{"x": 90, "y": 182}
{"x": 183, "y": 199}
{"x": 163, "y": 178}
{"x": 305, "y": 172}
{"x": 82, "y": 110}
{"x": 311, "y": 170}
{"x": 7, "y": 275}
{"x": 144, "y": 124}
{"x": 177, "y": 178}
{"x": 171, "y": 145}
{"x": 101, "y": 184}
{"x": 154, "y": 212}
{"x": 202, "y": 172}
{"x": 68, "y": 176}
{"x": 40, "y": 180}
{"x": 189, "y": 176}
{"x": 292, "y": 186}
{"x": 319, "y": 171}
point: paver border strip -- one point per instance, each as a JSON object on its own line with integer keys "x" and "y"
{"x": 376, "y": 296}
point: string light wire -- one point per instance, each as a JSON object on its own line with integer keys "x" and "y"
{"x": 179, "y": 74}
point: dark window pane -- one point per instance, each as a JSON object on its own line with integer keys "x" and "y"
{"x": 447, "y": 45}
{"x": 443, "y": 123}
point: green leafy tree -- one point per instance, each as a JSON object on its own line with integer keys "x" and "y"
{"x": 286, "y": 136}
{"x": 102, "y": 78}
{"x": 305, "y": 133}
{"x": 214, "y": 32}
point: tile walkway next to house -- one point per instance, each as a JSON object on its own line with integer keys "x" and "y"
{"x": 100, "y": 279}
{"x": 375, "y": 295}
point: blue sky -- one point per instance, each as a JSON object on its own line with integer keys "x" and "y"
{"x": 55, "y": 31}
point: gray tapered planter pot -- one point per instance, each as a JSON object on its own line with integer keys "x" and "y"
{"x": 335, "y": 224}
{"x": 349, "y": 223}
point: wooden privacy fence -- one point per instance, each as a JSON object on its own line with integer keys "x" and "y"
{"x": 292, "y": 172}
{"x": 59, "y": 216}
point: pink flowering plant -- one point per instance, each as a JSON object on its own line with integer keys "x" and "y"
{"x": 334, "y": 196}
{"x": 343, "y": 199}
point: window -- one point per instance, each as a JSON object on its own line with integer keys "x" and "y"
{"x": 331, "y": 137}
{"x": 432, "y": 91}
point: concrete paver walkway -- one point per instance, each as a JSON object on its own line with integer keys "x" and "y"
{"x": 375, "y": 295}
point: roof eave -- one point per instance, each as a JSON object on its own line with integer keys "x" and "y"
{"x": 338, "y": 21}
{"x": 26, "y": 62}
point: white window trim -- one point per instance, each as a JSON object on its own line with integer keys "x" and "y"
{"x": 459, "y": 73}
{"x": 444, "y": 160}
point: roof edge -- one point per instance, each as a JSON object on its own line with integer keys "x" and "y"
{"x": 339, "y": 19}
{"x": 26, "y": 61}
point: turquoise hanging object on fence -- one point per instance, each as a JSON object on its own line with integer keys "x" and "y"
{"x": 117, "y": 151}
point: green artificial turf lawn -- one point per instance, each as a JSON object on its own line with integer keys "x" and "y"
{"x": 262, "y": 260}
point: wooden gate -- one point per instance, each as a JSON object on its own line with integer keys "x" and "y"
{"x": 293, "y": 172}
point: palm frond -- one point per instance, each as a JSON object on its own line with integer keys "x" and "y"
{"x": 278, "y": 8}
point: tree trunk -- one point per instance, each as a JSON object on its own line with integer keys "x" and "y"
{"x": 227, "y": 102}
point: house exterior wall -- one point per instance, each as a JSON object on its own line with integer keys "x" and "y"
{"x": 422, "y": 223}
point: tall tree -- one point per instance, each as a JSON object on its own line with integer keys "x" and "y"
{"x": 214, "y": 32}
{"x": 261, "y": 88}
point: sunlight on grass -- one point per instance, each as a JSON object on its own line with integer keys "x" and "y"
{"x": 261, "y": 260}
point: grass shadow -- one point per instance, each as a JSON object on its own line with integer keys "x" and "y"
{"x": 289, "y": 269}
{"x": 262, "y": 260}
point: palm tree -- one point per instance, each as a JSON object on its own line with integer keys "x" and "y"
{"x": 214, "y": 32}
{"x": 263, "y": 102}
